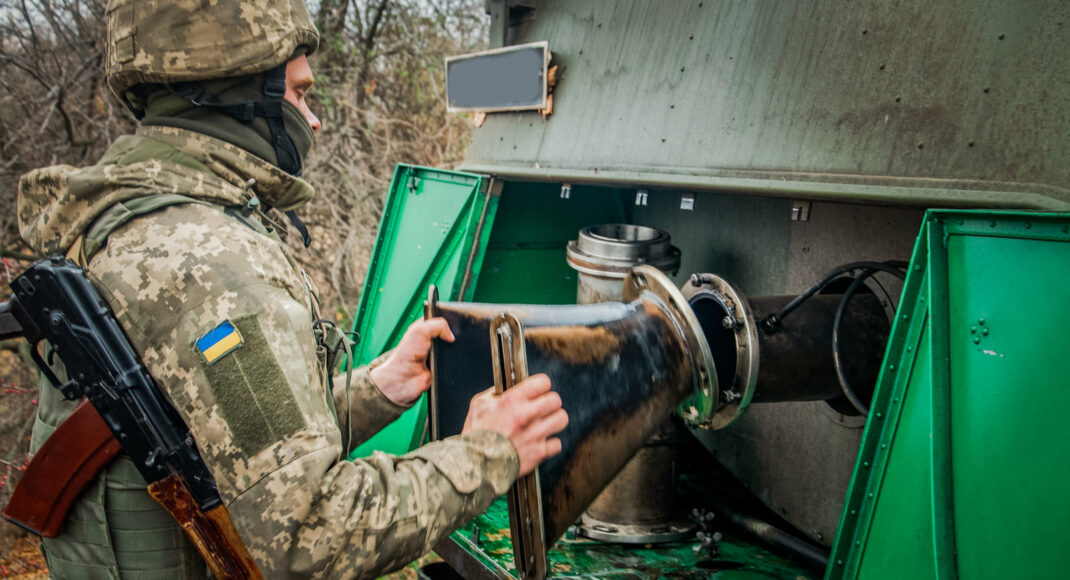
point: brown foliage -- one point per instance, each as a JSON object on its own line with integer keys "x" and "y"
{"x": 380, "y": 94}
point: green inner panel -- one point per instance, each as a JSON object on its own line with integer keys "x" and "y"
{"x": 1011, "y": 462}
{"x": 525, "y": 258}
{"x": 430, "y": 224}
{"x": 488, "y": 538}
{"x": 902, "y": 515}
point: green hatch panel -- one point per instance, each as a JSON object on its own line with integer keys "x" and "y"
{"x": 964, "y": 464}
{"x": 434, "y": 228}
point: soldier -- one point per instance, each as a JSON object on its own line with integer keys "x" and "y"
{"x": 173, "y": 227}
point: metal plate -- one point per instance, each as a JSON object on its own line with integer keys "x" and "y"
{"x": 513, "y": 78}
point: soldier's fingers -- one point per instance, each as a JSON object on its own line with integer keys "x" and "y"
{"x": 541, "y": 428}
{"x": 483, "y": 395}
{"x": 530, "y": 387}
{"x": 438, "y": 328}
{"x": 551, "y": 424}
{"x": 424, "y": 331}
{"x": 546, "y": 404}
{"x": 553, "y": 447}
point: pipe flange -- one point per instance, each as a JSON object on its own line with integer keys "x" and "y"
{"x": 610, "y": 250}
{"x": 617, "y": 533}
{"x": 735, "y": 397}
{"x": 705, "y": 395}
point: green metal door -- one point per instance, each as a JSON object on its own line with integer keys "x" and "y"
{"x": 964, "y": 464}
{"x": 434, "y": 230}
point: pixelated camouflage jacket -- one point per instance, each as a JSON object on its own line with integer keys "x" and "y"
{"x": 259, "y": 412}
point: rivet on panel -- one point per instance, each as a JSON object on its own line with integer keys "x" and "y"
{"x": 981, "y": 321}
{"x": 870, "y": 495}
{"x": 865, "y": 464}
{"x": 977, "y": 340}
{"x": 973, "y": 330}
{"x": 884, "y": 445}
{"x": 891, "y": 367}
{"x": 895, "y": 400}
{"x": 985, "y": 332}
{"x": 880, "y": 415}
{"x": 854, "y": 512}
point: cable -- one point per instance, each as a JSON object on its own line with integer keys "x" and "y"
{"x": 771, "y": 324}
{"x": 845, "y": 386}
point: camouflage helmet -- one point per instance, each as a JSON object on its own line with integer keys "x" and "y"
{"x": 172, "y": 41}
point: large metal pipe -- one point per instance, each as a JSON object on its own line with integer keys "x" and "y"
{"x": 604, "y": 254}
{"x": 638, "y": 506}
{"x": 795, "y": 363}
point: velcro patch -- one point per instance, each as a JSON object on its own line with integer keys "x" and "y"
{"x": 220, "y": 341}
{"x": 251, "y": 390}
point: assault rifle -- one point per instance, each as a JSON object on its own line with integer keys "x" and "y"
{"x": 55, "y": 301}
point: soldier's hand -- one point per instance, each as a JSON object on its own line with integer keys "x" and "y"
{"x": 404, "y": 376}
{"x": 529, "y": 414}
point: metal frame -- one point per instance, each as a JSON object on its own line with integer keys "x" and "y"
{"x": 525, "y": 498}
{"x": 545, "y": 77}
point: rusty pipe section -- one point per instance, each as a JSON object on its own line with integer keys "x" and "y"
{"x": 620, "y": 369}
{"x": 797, "y": 362}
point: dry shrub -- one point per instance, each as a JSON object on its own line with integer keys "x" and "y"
{"x": 380, "y": 91}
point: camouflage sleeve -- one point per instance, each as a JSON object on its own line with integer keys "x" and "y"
{"x": 221, "y": 320}
{"x": 363, "y": 406}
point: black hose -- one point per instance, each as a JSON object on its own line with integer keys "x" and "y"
{"x": 845, "y": 386}
{"x": 771, "y": 324}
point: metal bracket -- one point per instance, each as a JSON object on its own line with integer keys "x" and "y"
{"x": 800, "y": 210}
{"x": 491, "y": 185}
{"x": 687, "y": 202}
{"x": 640, "y": 197}
{"x": 509, "y": 359}
{"x": 566, "y": 190}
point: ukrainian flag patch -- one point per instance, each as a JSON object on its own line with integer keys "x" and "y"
{"x": 221, "y": 340}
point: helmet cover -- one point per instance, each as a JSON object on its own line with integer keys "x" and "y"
{"x": 172, "y": 41}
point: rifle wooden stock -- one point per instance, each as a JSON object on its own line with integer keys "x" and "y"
{"x": 68, "y": 461}
{"x": 212, "y": 531}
